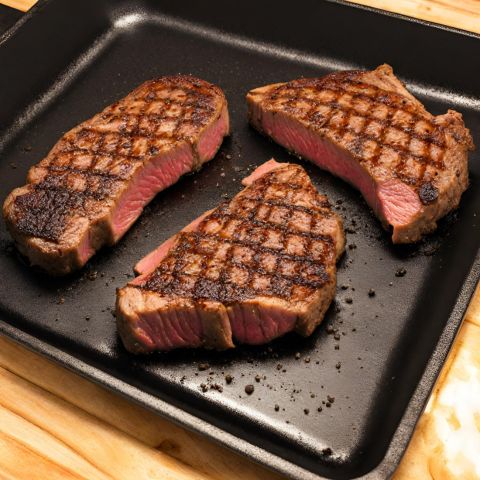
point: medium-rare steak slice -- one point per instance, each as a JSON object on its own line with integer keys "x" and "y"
{"x": 97, "y": 179}
{"x": 366, "y": 128}
{"x": 252, "y": 269}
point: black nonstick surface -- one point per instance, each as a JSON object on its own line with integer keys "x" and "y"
{"x": 377, "y": 356}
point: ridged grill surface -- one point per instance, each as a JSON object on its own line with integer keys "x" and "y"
{"x": 92, "y": 161}
{"x": 272, "y": 240}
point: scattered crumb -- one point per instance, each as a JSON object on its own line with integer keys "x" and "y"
{"x": 249, "y": 389}
{"x": 401, "y": 272}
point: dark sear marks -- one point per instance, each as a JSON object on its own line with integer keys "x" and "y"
{"x": 265, "y": 242}
{"x": 100, "y": 156}
{"x": 368, "y": 120}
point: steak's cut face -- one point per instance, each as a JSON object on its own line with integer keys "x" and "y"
{"x": 251, "y": 270}
{"x": 366, "y": 128}
{"x": 97, "y": 179}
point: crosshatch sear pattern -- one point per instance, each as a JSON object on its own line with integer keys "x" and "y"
{"x": 276, "y": 238}
{"x": 390, "y": 133}
{"x": 94, "y": 161}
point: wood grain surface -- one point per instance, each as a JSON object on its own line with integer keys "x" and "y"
{"x": 57, "y": 425}
{"x": 22, "y": 5}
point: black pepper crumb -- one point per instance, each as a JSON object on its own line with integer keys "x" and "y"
{"x": 306, "y": 411}
{"x": 336, "y": 336}
{"x": 228, "y": 379}
{"x": 338, "y": 365}
{"x": 249, "y": 389}
{"x": 92, "y": 275}
{"x": 279, "y": 366}
{"x": 203, "y": 366}
{"x": 277, "y": 408}
{"x": 319, "y": 409}
{"x": 344, "y": 287}
{"x": 337, "y": 347}
{"x": 258, "y": 378}
{"x": 203, "y": 387}
{"x": 330, "y": 398}
{"x": 327, "y": 451}
{"x": 371, "y": 292}
{"x": 401, "y": 272}
{"x": 307, "y": 360}
{"x": 349, "y": 300}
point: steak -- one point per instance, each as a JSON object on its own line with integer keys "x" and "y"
{"x": 251, "y": 270}
{"x": 366, "y": 128}
{"x": 97, "y": 179}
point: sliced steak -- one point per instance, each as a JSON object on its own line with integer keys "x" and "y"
{"x": 252, "y": 269}
{"x": 366, "y": 128}
{"x": 97, "y": 179}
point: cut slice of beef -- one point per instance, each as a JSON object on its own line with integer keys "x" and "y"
{"x": 97, "y": 179}
{"x": 251, "y": 270}
{"x": 365, "y": 127}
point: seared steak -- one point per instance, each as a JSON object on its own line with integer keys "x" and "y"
{"x": 97, "y": 179}
{"x": 252, "y": 269}
{"x": 365, "y": 127}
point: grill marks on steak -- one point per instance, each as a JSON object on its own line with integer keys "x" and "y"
{"x": 367, "y": 128}
{"x": 264, "y": 262}
{"x": 96, "y": 180}
{"x": 233, "y": 251}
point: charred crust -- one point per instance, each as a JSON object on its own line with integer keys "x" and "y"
{"x": 330, "y": 104}
{"x": 88, "y": 162}
{"x": 287, "y": 272}
{"x": 428, "y": 193}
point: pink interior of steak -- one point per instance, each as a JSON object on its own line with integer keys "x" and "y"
{"x": 148, "y": 263}
{"x": 393, "y": 201}
{"x": 96, "y": 180}
{"x": 174, "y": 328}
{"x": 163, "y": 171}
{"x": 255, "y": 326}
{"x": 251, "y": 321}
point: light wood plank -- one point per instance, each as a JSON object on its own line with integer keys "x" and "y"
{"x": 111, "y": 451}
{"x": 464, "y": 14}
{"x": 18, "y": 462}
{"x": 22, "y": 5}
{"x": 146, "y": 427}
{"x": 446, "y": 442}
{"x": 38, "y": 442}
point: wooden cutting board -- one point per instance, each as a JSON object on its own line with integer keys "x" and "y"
{"x": 56, "y": 425}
